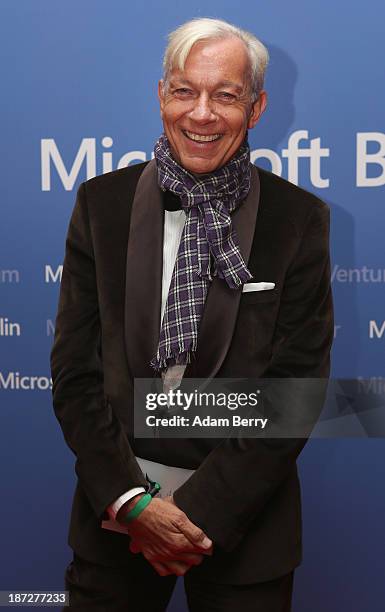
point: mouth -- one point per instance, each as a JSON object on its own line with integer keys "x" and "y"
{"x": 201, "y": 138}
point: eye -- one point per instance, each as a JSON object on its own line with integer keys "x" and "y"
{"x": 225, "y": 96}
{"x": 182, "y": 92}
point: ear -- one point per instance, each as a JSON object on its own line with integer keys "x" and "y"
{"x": 161, "y": 96}
{"x": 257, "y": 109}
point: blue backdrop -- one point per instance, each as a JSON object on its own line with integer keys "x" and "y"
{"x": 79, "y": 98}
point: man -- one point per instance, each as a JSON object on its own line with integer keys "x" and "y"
{"x": 156, "y": 279}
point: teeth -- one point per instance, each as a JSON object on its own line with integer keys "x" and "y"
{"x": 200, "y": 138}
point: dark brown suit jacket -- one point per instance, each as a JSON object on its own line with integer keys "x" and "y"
{"x": 107, "y": 330}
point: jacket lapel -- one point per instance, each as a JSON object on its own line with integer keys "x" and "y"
{"x": 144, "y": 283}
{"x": 144, "y": 274}
{"x": 221, "y": 308}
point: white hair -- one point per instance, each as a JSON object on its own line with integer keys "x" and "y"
{"x": 181, "y": 40}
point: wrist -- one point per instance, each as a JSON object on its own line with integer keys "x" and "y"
{"x": 127, "y": 507}
{"x": 138, "y": 508}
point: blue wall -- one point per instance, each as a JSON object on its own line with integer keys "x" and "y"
{"x": 76, "y": 73}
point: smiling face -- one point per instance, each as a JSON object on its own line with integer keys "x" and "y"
{"x": 206, "y": 108}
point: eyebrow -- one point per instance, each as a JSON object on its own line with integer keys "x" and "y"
{"x": 181, "y": 81}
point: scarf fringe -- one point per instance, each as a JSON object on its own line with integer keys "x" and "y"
{"x": 173, "y": 357}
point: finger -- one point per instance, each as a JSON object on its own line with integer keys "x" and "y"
{"x": 194, "y": 534}
{"x": 176, "y": 545}
{"x": 171, "y": 565}
{"x": 177, "y": 567}
{"x": 134, "y": 547}
{"x": 189, "y": 558}
{"x": 160, "y": 568}
{"x": 185, "y": 546}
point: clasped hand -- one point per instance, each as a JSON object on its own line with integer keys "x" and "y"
{"x": 167, "y": 538}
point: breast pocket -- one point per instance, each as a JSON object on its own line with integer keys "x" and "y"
{"x": 259, "y": 297}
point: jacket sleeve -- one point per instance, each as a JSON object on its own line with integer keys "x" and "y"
{"x": 105, "y": 464}
{"x": 239, "y": 476}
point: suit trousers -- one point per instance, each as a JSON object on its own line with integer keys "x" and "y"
{"x": 138, "y": 588}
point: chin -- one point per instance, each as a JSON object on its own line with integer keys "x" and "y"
{"x": 200, "y": 170}
{"x": 202, "y": 167}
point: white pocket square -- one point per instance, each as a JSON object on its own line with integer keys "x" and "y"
{"x": 257, "y": 287}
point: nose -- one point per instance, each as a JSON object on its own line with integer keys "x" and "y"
{"x": 202, "y": 111}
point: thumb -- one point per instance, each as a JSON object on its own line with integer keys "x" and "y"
{"x": 195, "y": 534}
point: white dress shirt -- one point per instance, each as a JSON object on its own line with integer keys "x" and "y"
{"x": 174, "y": 221}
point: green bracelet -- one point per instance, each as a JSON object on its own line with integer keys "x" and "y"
{"x": 138, "y": 508}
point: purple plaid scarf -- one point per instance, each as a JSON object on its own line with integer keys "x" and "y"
{"x": 208, "y": 246}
